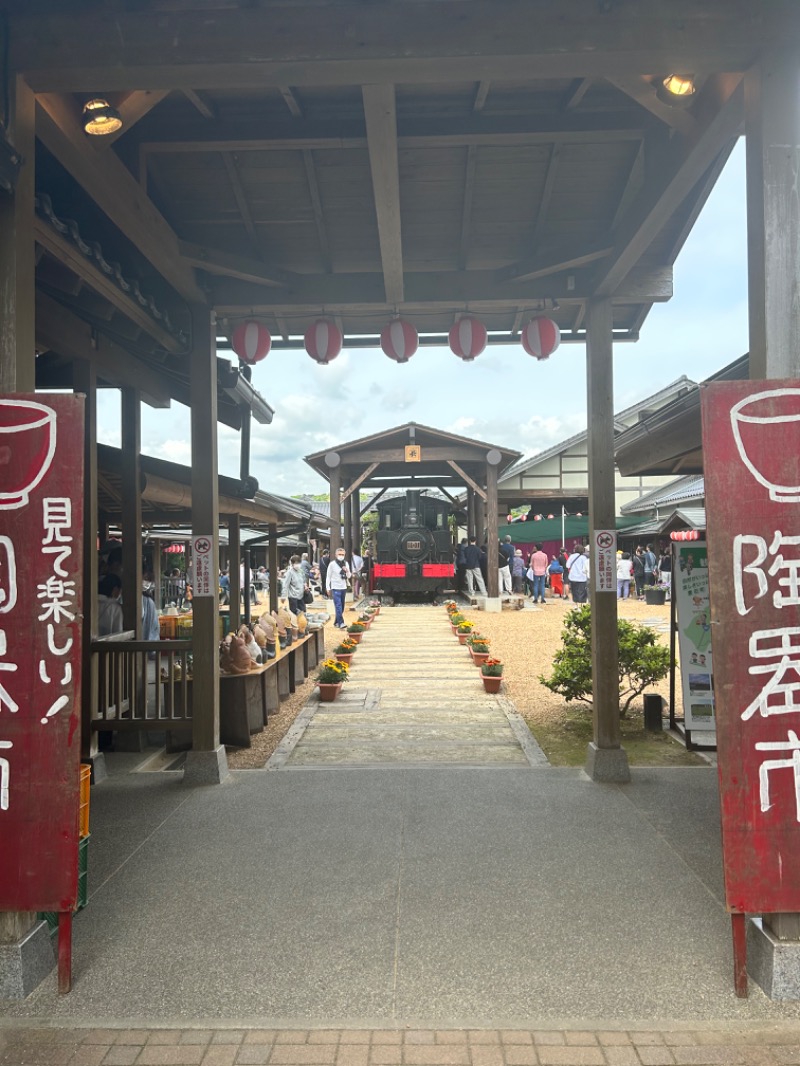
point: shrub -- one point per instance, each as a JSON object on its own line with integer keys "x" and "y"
{"x": 642, "y": 660}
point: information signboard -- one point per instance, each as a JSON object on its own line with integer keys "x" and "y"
{"x": 690, "y": 589}
{"x": 206, "y": 573}
{"x": 751, "y": 443}
{"x": 604, "y": 560}
{"x": 41, "y": 556}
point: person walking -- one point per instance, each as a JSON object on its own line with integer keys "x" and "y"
{"x": 294, "y": 586}
{"x": 336, "y": 578}
{"x": 472, "y": 568}
{"x": 624, "y": 575}
{"x": 578, "y": 570}
{"x": 356, "y": 566}
{"x": 539, "y": 563}
{"x": 650, "y": 564}
{"x": 556, "y": 572}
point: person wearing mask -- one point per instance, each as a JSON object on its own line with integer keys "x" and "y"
{"x": 336, "y": 579}
{"x": 294, "y": 585}
{"x": 539, "y": 563}
{"x": 472, "y": 568}
{"x": 578, "y": 570}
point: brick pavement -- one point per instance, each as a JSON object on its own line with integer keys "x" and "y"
{"x": 773, "y": 1046}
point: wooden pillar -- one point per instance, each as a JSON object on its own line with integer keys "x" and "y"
{"x": 492, "y": 536}
{"x": 607, "y": 760}
{"x": 206, "y": 762}
{"x": 273, "y": 567}
{"x": 84, "y": 380}
{"x": 348, "y": 527}
{"x": 470, "y": 514}
{"x": 356, "y": 511}
{"x": 131, "y": 520}
{"x": 234, "y": 570}
{"x": 17, "y": 249}
{"x": 333, "y": 462}
{"x": 772, "y": 126}
{"x": 772, "y": 123}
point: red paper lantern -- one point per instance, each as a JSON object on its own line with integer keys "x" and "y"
{"x": 550, "y": 516}
{"x": 685, "y": 534}
{"x": 174, "y": 549}
{"x": 541, "y": 337}
{"x": 399, "y": 340}
{"x": 323, "y": 340}
{"x": 468, "y": 338}
{"x": 251, "y": 341}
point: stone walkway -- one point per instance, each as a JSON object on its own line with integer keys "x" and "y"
{"x": 393, "y": 1047}
{"x": 414, "y": 698}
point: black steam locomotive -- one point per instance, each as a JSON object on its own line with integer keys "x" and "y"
{"x": 414, "y": 545}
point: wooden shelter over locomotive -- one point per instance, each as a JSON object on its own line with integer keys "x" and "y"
{"x": 358, "y": 163}
{"x": 414, "y": 544}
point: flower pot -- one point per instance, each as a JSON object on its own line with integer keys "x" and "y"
{"x": 480, "y": 657}
{"x": 356, "y": 637}
{"x": 491, "y": 684}
{"x": 328, "y": 693}
{"x": 345, "y": 658}
{"x": 462, "y": 637}
{"x": 655, "y": 596}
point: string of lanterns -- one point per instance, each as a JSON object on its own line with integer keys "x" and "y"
{"x": 323, "y": 339}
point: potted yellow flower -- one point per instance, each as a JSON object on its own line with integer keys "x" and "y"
{"x": 330, "y": 677}
{"x": 344, "y": 651}
{"x": 464, "y": 629}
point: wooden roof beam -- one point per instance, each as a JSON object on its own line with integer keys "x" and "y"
{"x": 467, "y": 479}
{"x": 481, "y": 93}
{"x": 546, "y": 264}
{"x": 225, "y": 264}
{"x": 446, "y": 290}
{"x": 66, "y": 252}
{"x": 466, "y": 209}
{"x": 241, "y": 200}
{"x": 412, "y": 132}
{"x": 676, "y": 175}
{"x": 132, "y": 108}
{"x": 115, "y": 191}
{"x": 381, "y": 117}
{"x": 576, "y": 93}
{"x": 352, "y": 43}
{"x": 291, "y": 101}
{"x": 642, "y": 90}
{"x": 201, "y": 105}
{"x": 316, "y": 205}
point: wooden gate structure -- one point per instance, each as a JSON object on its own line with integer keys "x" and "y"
{"x": 359, "y": 162}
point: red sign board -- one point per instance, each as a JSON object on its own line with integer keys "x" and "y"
{"x": 751, "y": 457}
{"x": 41, "y": 545}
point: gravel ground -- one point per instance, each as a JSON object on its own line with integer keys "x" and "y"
{"x": 525, "y": 640}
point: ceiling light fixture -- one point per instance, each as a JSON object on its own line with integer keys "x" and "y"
{"x": 676, "y": 90}
{"x": 100, "y": 118}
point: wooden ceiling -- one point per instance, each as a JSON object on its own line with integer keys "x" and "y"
{"x": 359, "y": 160}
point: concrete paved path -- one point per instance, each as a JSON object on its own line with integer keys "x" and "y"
{"x": 414, "y": 698}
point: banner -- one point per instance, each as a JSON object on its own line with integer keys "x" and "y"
{"x": 41, "y": 582}
{"x": 690, "y": 589}
{"x": 751, "y": 444}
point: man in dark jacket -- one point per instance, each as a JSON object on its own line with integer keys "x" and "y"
{"x": 472, "y": 562}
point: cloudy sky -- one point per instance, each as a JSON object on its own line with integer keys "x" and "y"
{"x": 504, "y": 397}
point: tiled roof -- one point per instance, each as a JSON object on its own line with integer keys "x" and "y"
{"x": 690, "y": 487}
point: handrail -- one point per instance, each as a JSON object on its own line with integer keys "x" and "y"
{"x": 139, "y": 684}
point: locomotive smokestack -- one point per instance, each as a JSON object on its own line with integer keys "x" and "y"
{"x": 412, "y": 507}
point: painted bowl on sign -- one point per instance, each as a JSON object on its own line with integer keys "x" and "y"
{"x": 766, "y": 428}
{"x": 27, "y": 445}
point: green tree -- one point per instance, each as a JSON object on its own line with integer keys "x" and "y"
{"x": 642, "y": 660}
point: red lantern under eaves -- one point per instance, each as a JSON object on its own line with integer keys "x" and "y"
{"x": 684, "y": 534}
{"x": 323, "y": 340}
{"x": 399, "y": 340}
{"x": 468, "y": 338}
{"x": 541, "y": 337}
{"x": 251, "y": 341}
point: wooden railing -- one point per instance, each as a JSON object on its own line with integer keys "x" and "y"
{"x": 139, "y": 684}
